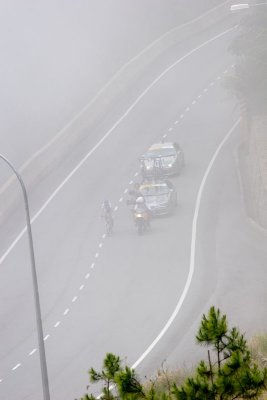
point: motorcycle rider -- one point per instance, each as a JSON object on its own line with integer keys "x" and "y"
{"x": 141, "y": 207}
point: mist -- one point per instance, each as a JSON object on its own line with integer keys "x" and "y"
{"x": 56, "y": 55}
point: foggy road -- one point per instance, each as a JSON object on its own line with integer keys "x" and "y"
{"x": 115, "y": 294}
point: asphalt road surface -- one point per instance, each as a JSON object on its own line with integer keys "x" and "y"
{"x": 116, "y": 294}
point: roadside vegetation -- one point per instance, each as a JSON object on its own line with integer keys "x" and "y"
{"x": 231, "y": 371}
{"x": 249, "y": 85}
{"x": 249, "y": 82}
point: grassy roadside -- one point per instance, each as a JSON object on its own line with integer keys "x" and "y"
{"x": 165, "y": 377}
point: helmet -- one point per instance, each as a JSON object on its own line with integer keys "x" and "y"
{"x": 140, "y": 200}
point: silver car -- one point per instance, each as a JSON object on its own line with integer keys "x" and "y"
{"x": 162, "y": 159}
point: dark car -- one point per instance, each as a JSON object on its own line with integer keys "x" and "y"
{"x": 162, "y": 159}
{"x": 160, "y": 196}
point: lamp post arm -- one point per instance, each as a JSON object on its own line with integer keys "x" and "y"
{"x": 45, "y": 383}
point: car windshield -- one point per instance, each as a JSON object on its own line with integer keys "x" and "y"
{"x": 162, "y": 152}
{"x": 154, "y": 190}
{"x": 153, "y": 200}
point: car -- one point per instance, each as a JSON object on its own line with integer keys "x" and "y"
{"x": 162, "y": 159}
{"x": 160, "y": 196}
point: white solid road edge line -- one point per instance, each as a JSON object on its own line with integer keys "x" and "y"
{"x": 192, "y": 251}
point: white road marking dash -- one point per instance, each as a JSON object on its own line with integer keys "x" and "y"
{"x": 57, "y": 324}
{"x": 46, "y": 337}
{"x": 66, "y": 311}
{"x": 32, "y": 352}
{"x": 74, "y": 299}
{"x": 16, "y": 367}
{"x": 81, "y": 287}
{"x": 87, "y": 276}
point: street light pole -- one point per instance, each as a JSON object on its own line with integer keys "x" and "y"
{"x": 45, "y": 384}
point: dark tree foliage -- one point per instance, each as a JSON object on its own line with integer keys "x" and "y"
{"x": 228, "y": 373}
{"x": 250, "y": 48}
{"x": 117, "y": 382}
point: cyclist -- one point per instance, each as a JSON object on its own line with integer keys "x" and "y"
{"x": 107, "y": 215}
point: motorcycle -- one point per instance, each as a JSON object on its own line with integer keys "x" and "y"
{"x": 141, "y": 219}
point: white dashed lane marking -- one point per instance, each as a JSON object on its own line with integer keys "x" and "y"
{"x": 199, "y": 96}
{"x": 116, "y": 208}
{"x": 16, "y": 367}
{"x": 67, "y": 310}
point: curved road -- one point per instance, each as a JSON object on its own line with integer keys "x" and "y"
{"x": 116, "y": 294}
